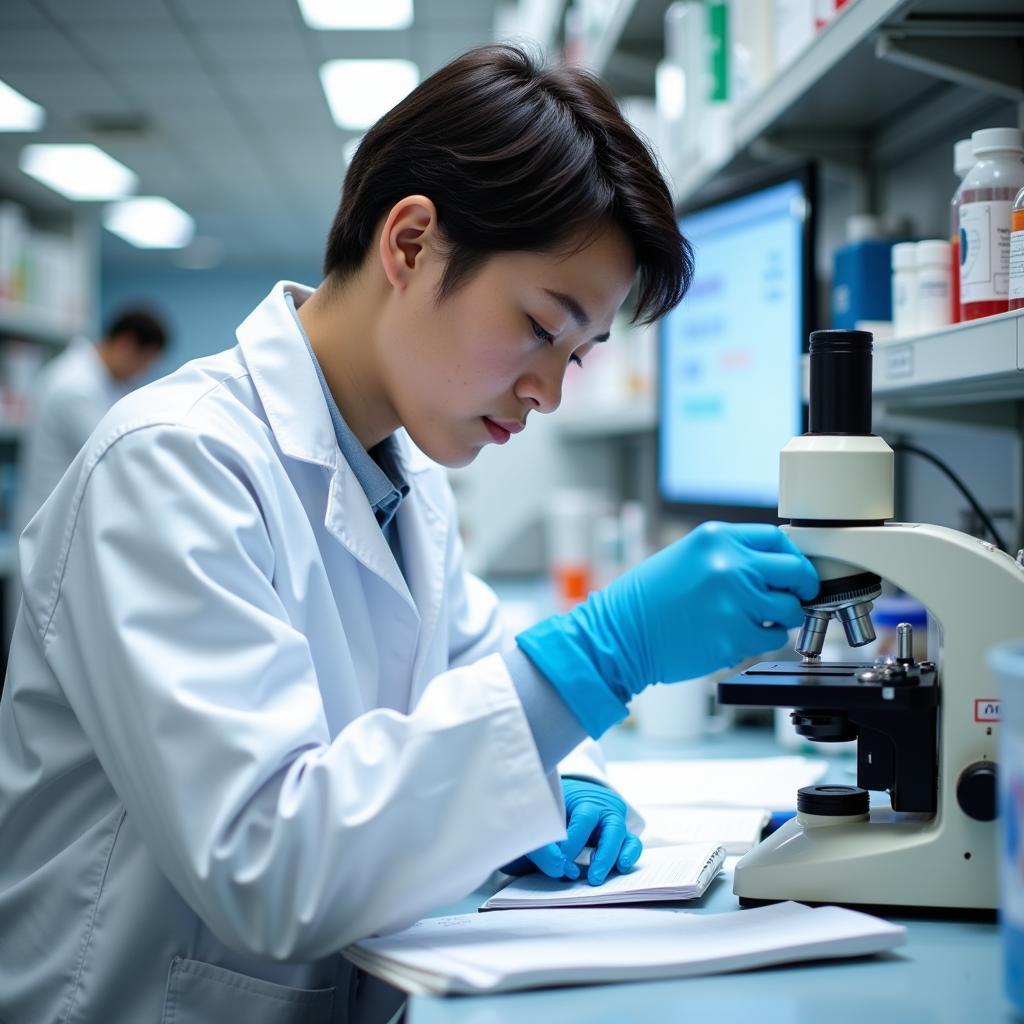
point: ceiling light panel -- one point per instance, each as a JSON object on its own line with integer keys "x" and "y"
{"x": 78, "y": 170}
{"x": 150, "y": 222}
{"x": 18, "y": 113}
{"x": 357, "y": 14}
{"x": 359, "y": 91}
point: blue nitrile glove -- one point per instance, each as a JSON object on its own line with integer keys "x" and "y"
{"x": 595, "y": 816}
{"x": 722, "y": 593}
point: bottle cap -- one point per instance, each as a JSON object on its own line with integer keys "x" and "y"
{"x": 933, "y": 251}
{"x": 862, "y": 227}
{"x": 963, "y": 157}
{"x": 989, "y": 140}
{"x": 904, "y": 255}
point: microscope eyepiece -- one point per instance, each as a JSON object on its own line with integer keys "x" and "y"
{"x": 840, "y": 385}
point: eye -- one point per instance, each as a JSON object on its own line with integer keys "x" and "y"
{"x": 541, "y": 334}
{"x": 548, "y": 338}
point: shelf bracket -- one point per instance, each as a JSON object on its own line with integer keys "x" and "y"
{"x": 981, "y": 54}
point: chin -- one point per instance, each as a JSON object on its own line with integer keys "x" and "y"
{"x": 447, "y": 453}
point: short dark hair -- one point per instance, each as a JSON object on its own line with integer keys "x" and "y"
{"x": 144, "y": 326}
{"x": 516, "y": 157}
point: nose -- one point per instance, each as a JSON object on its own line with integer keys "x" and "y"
{"x": 541, "y": 387}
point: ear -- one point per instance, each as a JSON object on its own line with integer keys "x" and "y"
{"x": 407, "y": 240}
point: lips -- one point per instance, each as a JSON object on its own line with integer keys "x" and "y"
{"x": 499, "y": 435}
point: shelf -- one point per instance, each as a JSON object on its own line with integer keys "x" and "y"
{"x": 980, "y": 361}
{"x": 621, "y": 420}
{"x": 35, "y": 324}
{"x": 867, "y": 70}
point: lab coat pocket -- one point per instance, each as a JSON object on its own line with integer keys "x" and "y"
{"x": 199, "y": 993}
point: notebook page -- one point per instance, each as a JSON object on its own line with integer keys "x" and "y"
{"x": 666, "y": 869}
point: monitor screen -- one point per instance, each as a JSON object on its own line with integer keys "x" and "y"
{"x": 730, "y": 353}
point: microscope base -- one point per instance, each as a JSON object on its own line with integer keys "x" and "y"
{"x": 891, "y": 860}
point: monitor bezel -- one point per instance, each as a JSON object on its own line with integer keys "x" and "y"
{"x": 806, "y": 172}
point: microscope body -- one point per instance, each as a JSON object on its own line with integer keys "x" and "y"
{"x": 926, "y": 732}
{"x": 943, "y": 857}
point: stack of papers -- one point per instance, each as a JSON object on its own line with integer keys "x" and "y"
{"x": 669, "y": 873}
{"x": 475, "y": 953}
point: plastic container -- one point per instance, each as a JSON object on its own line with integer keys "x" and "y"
{"x": 931, "y": 302}
{"x": 986, "y": 200}
{"x": 904, "y": 288}
{"x": 1017, "y": 252}
{"x": 963, "y": 161}
{"x": 860, "y": 274}
{"x": 1007, "y": 661}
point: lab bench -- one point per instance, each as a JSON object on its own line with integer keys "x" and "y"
{"x": 948, "y": 972}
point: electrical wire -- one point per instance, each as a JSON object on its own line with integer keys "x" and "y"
{"x": 985, "y": 518}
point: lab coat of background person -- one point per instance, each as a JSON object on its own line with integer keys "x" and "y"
{"x": 250, "y": 717}
{"x": 73, "y": 393}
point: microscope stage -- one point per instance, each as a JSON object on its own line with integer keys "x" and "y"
{"x": 833, "y": 685}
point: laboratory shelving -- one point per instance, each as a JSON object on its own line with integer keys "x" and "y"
{"x": 622, "y": 419}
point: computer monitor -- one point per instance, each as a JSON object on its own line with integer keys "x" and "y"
{"x": 730, "y": 391}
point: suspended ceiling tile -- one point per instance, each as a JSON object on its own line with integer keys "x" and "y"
{"x": 39, "y": 48}
{"x": 106, "y": 12}
{"x": 370, "y": 45}
{"x": 137, "y": 47}
{"x": 69, "y": 91}
{"x": 256, "y": 45}
{"x": 300, "y": 87}
{"x": 238, "y": 12}
{"x": 169, "y": 87}
{"x": 20, "y": 13}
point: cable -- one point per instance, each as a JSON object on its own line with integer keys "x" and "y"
{"x": 986, "y": 519}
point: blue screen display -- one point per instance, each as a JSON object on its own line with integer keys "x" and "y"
{"x": 730, "y": 394}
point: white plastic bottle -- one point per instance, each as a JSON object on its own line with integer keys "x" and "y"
{"x": 904, "y": 288}
{"x": 931, "y": 303}
{"x": 986, "y": 199}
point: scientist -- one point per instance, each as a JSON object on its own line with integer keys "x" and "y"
{"x": 256, "y": 708}
{"x": 74, "y": 392}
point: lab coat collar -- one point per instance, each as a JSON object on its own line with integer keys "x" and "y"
{"x": 287, "y": 384}
{"x": 290, "y": 390}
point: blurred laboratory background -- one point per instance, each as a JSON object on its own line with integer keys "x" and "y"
{"x": 180, "y": 156}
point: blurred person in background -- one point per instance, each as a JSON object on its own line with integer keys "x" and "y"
{"x": 74, "y": 392}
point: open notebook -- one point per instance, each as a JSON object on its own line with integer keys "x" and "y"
{"x": 483, "y": 953}
{"x": 666, "y": 873}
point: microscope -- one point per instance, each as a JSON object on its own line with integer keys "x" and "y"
{"x": 925, "y": 730}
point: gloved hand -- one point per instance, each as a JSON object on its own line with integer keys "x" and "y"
{"x": 595, "y": 816}
{"x": 722, "y": 593}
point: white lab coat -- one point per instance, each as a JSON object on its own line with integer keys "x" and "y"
{"x": 233, "y": 738}
{"x": 72, "y": 393}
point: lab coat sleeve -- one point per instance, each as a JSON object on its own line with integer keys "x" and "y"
{"x": 203, "y": 706}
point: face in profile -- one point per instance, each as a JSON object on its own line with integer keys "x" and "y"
{"x": 469, "y": 370}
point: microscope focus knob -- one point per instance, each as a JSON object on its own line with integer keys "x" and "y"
{"x": 976, "y": 791}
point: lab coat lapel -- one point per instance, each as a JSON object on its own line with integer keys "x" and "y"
{"x": 351, "y": 521}
{"x": 423, "y": 529}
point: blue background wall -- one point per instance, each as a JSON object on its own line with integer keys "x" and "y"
{"x": 201, "y": 307}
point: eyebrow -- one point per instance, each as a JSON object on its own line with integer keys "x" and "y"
{"x": 576, "y": 311}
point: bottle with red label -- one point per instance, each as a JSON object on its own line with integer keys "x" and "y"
{"x": 986, "y": 201}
